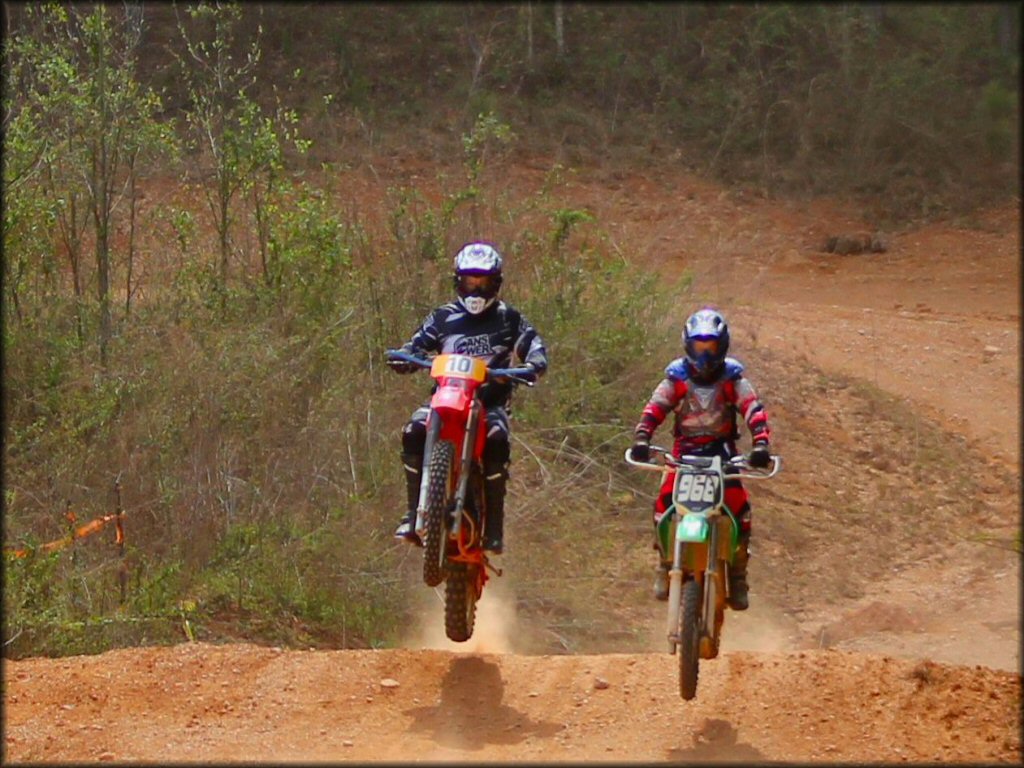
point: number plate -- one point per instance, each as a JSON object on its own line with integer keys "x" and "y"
{"x": 459, "y": 367}
{"x": 697, "y": 490}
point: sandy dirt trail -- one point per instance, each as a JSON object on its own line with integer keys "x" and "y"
{"x": 934, "y": 321}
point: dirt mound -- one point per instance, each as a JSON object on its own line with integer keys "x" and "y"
{"x": 240, "y": 702}
{"x": 876, "y": 617}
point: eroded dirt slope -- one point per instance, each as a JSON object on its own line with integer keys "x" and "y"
{"x": 920, "y": 663}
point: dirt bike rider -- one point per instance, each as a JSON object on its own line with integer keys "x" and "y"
{"x": 706, "y": 390}
{"x": 477, "y": 323}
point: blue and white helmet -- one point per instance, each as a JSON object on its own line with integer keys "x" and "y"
{"x": 477, "y": 276}
{"x": 706, "y": 325}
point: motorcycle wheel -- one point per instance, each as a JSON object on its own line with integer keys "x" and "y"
{"x": 689, "y": 639}
{"x": 436, "y": 537}
{"x": 459, "y": 603}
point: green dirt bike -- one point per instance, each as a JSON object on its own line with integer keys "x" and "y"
{"x": 698, "y": 535}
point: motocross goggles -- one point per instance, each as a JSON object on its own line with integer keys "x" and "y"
{"x": 485, "y": 286}
{"x": 702, "y": 346}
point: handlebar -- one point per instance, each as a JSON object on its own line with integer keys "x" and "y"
{"x": 513, "y": 374}
{"x": 400, "y": 354}
{"x": 671, "y": 463}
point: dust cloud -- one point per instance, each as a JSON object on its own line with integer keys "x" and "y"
{"x": 496, "y": 625}
{"x": 762, "y": 628}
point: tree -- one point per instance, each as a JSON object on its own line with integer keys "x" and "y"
{"x": 560, "y": 28}
{"x": 93, "y": 126}
{"x": 26, "y": 213}
{"x": 265, "y": 183}
{"x": 220, "y": 108}
{"x": 237, "y": 149}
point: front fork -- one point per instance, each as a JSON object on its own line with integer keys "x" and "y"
{"x": 433, "y": 431}
{"x": 709, "y": 582}
{"x": 675, "y": 591}
{"x": 468, "y": 444}
{"x": 712, "y": 586}
{"x": 469, "y": 441}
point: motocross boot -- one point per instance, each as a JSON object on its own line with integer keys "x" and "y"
{"x": 495, "y": 476}
{"x": 406, "y": 529}
{"x": 738, "y": 575}
{"x": 661, "y": 582}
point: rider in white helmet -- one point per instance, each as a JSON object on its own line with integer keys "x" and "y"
{"x": 477, "y": 277}
{"x": 477, "y": 323}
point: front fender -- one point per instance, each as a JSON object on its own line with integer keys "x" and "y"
{"x": 692, "y": 528}
{"x": 451, "y": 400}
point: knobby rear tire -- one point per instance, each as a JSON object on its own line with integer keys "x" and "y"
{"x": 459, "y": 603}
{"x": 689, "y": 639}
{"x": 436, "y": 537}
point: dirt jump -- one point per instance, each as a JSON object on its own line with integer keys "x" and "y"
{"x": 921, "y": 664}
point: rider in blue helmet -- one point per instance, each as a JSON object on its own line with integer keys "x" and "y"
{"x": 707, "y": 390}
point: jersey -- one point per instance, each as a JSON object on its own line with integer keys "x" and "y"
{"x": 498, "y": 335}
{"x": 705, "y": 413}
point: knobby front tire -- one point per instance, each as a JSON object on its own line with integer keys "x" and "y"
{"x": 435, "y": 540}
{"x": 689, "y": 639}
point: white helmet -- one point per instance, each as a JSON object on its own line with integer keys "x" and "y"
{"x": 477, "y": 276}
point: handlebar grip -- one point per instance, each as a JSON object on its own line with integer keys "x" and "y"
{"x": 656, "y": 467}
{"x": 513, "y": 371}
{"x": 401, "y": 354}
{"x": 525, "y": 376}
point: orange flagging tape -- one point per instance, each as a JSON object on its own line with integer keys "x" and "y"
{"x": 81, "y": 532}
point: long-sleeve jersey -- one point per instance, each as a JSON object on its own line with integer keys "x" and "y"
{"x": 705, "y": 412}
{"x": 498, "y": 335}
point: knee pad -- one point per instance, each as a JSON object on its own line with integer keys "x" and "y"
{"x": 414, "y": 437}
{"x": 743, "y": 518}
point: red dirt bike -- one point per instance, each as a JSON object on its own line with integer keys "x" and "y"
{"x": 451, "y": 512}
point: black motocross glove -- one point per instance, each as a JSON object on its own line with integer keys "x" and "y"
{"x": 532, "y": 375}
{"x": 760, "y": 456}
{"x": 641, "y": 450}
{"x": 402, "y": 366}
